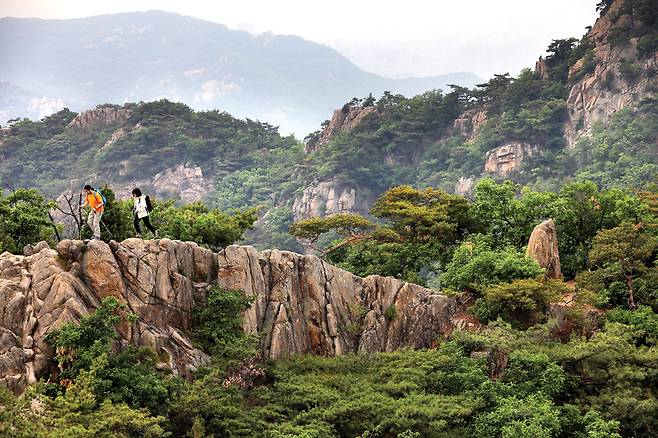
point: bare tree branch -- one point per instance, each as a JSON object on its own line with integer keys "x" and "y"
{"x": 52, "y": 222}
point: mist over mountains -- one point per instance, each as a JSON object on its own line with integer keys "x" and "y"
{"x": 283, "y": 80}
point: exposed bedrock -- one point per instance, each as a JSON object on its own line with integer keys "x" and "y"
{"x": 302, "y": 305}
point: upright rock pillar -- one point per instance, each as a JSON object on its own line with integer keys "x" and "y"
{"x": 542, "y": 247}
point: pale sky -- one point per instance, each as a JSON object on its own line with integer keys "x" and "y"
{"x": 393, "y": 38}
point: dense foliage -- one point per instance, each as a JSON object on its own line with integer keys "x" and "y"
{"x": 23, "y": 220}
{"x": 534, "y": 368}
{"x": 546, "y": 357}
{"x": 421, "y": 233}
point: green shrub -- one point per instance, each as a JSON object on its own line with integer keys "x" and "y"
{"x": 217, "y": 327}
{"x": 476, "y": 266}
{"x": 391, "y": 313}
{"x": 23, "y": 220}
{"x": 78, "y": 345}
{"x": 525, "y": 301}
{"x": 643, "y": 320}
{"x": 630, "y": 72}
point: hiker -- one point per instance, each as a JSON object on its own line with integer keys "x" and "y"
{"x": 141, "y": 209}
{"x": 96, "y": 203}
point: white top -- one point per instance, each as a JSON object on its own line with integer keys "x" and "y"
{"x": 140, "y": 206}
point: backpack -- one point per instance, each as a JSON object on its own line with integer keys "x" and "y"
{"x": 149, "y": 206}
{"x": 102, "y": 197}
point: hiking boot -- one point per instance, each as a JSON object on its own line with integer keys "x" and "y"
{"x": 139, "y": 236}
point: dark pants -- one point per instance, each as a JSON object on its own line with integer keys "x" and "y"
{"x": 147, "y": 222}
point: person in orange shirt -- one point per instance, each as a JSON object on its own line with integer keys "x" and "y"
{"x": 94, "y": 200}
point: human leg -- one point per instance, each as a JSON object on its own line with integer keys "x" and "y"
{"x": 97, "y": 225}
{"x": 136, "y": 224}
{"x": 94, "y": 222}
{"x": 147, "y": 222}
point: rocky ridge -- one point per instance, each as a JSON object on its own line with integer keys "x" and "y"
{"x": 301, "y": 303}
{"x": 100, "y": 116}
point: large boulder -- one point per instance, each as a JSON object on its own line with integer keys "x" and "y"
{"x": 542, "y": 246}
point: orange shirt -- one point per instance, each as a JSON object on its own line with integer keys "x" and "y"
{"x": 95, "y": 199}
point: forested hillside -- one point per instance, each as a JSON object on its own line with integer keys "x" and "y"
{"x": 488, "y": 262}
{"x": 588, "y": 111}
{"x": 135, "y": 56}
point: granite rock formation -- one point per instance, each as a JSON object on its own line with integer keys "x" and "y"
{"x": 185, "y": 182}
{"x": 301, "y": 304}
{"x": 468, "y": 123}
{"x": 328, "y": 197}
{"x": 542, "y": 246}
{"x": 596, "y": 95}
{"x": 508, "y": 157}
{"x": 102, "y": 115}
{"x": 344, "y": 119}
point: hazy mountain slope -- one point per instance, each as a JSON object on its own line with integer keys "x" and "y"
{"x": 525, "y": 129}
{"x": 588, "y": 110}
{"x": 284, "y": 80}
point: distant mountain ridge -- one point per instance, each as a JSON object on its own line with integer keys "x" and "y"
{"x": 283, "y": 80}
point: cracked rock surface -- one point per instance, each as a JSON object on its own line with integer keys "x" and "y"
{"x": 302, "y": 305}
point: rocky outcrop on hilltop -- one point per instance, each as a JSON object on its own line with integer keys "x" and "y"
{"x": 621, "y": 76}
{"x": 185, "y": 182}
{"x": 301, "y": 303}
{"x": 542, "y": 247}
{"x": 507, "y": 158}
{"x": 343, "y": 120}
{"x": 99, "y": 116}
{"x": 329, "y": 197}
{"x": 469, "y": 122}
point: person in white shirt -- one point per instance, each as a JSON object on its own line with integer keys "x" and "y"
{"x": 141, "y": 213}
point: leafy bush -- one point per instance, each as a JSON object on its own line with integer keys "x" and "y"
{"x": 78, "y": 345}
{"x": 23, "y": 220}
{"x": 622, "y": 267}
{"x": 197, "y": 223}
{"x": 218, "y": 325}
{"x": 128, "y": 378}
{"x": 525, "y": 301}
{"x": 630, "y": 72}
{"x": 476, "y": 266}
{"x": 643, "y": 320}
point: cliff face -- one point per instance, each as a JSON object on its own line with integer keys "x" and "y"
{"x": 343, "y": 120}
{"x": 301, "y": 304}
{"x": 508, "y": 157}
{"x": 328, "y": 197}
{"x": 622, "y": 75}
{"x": 469, "y": 122}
